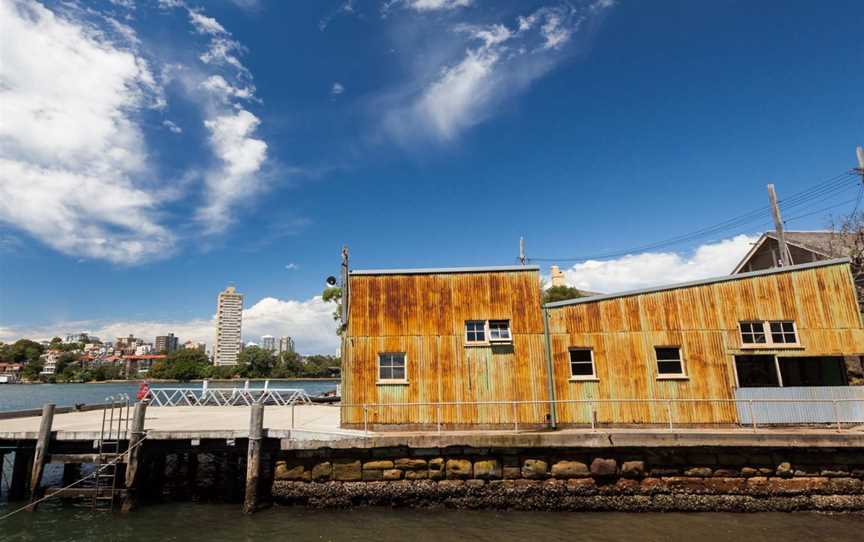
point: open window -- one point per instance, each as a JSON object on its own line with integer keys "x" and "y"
{"x": 499, "y": 331}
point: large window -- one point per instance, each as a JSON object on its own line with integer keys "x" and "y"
{"x": 499, "y": 331}
{"x": 757, "y": 371}
{"x": 768, "y": 371}
{"x": 582, "y": 364}
{"x": 669, "y": 361}
{"x": 475, "y": 331}
{"x": 783, "y": 333}
{"x": 391, "y": 367}
{"x": 773, "y": 334}
{"x": 753, "y": 333}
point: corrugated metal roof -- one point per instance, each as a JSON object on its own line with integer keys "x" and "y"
{"x": 725, "y": 278}
{"x": 440, "y": 270}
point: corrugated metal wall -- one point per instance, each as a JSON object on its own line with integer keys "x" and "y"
{"x": 818, "y": 404}
{"x": 703, "y": 321}
{"x": 424, "y": 316}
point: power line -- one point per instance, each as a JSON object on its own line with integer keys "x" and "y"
{"x": 825, "y": 189}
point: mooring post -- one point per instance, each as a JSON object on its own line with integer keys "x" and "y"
{"x": 20, "y": 468}
{"x": 253, "y": 458}
{"x": 133, "y": 456}
{"x": 39, "y": 456}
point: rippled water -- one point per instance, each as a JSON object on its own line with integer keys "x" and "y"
{"x": 215, "y": 523}
{"x": 25, "y": 396}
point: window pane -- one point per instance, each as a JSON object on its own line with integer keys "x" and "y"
{"x": 669, "y": 367}
{"x": 580, "y": 355}
{"x": 788, "y": 327}
{"x": 581, "y": 369}
{"x": 756, "y": 371}
{"x": 668, "y": 354}
{"x": 778, "y": 338}
{"x": 398, "y": 373}
{"x": 776, "y": 327}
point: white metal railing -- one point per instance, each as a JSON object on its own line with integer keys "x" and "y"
{"x": 750, "y": 413}
{"x": 207, "y": 396}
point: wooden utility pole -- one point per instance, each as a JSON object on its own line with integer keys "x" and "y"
{"x": 39, "y": 458}
{"x": 860, "y": 152}
{"x": 133, "y": 460}
{"x": 522, "y": 250}
{"x": 785, "y": 259}
{"x": 253, "y": 458}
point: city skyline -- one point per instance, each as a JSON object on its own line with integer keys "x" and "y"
{"x": 431, "y": 137}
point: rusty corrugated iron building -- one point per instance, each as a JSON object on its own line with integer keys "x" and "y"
{"x": 421, "y": 344}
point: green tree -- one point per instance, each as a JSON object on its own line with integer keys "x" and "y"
{"x": 334, "y": 295}
{"x": 22, "y": 351}
{"x": 31, "y": 371}
{"x": 255, "y": 362}
{"x": 64, "y": 360}
{"x": 184, "y": 365}
{"x": 561, "y": 293}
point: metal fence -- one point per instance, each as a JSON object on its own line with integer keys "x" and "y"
{"x": 207, "y": 396}
{"x": 838, "y": 413}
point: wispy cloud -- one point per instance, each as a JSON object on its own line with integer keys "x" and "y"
{"x": 497, "y": 61}
{"x": 426, "y": 5}
{"x": 292, "y": 266}
{"x": 337, "y": 89}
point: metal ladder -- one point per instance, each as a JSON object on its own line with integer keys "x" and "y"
{"x": 115, "y": 429}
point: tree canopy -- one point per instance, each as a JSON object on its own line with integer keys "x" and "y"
{"x": 561, "y": 293}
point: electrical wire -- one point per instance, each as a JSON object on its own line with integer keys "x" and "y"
{"x": 824, "y": 190}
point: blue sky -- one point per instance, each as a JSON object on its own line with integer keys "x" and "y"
{"x": 152, "y": 152}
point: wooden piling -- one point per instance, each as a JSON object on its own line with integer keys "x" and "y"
{"x": 253, "y": 458}
{"x": 42, "y": 443}
{"x": 20, "y": 468}
{"x": 133, "y": 459}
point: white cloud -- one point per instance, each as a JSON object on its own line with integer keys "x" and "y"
{"x": 429, "y": 5}
{"x": 658, "y": 268}
{"x": 497, "y": 62}
{"x": 337, "y": 89}
{"x": 241, "y": 157}
{"x": 204, "y": 24}
{"x": 172, "y": 126}
{"x": 309, "y": 322}
{"x": 223, "y": 90}
{"x": 292, "y": 266}
{"x": 72, "y": 154}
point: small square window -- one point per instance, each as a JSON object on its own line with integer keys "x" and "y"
{"x": 783, "y": 333}
{"x": 499, "y": 330}
{"x": 669, "y": 361}
{"x": 391, "y": 366}
{"x": 753, "y": 333}
{"x": 581, "y": 363}
{"x": 475, "y": 331}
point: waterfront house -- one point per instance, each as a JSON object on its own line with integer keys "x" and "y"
{"x": 468, "y": 347}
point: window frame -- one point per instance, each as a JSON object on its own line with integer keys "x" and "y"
{"x": 769, "y": 335}
{"x": 384, "y": 381}
{"x": 670, "y": 376}
{"x": 582, "y": 378}
{"x": 485, "y": 340}
{"x": 492, "y": 340}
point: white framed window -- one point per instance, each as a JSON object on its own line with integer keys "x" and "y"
{"x": 499, "y": 331}
{"x": 475, "y": 332}
{"x": 752, "y": 332}
{"x": 582, "y": 364}
{"x": 771, "y": 334}
{"x": 392, "y": 367}
{"x": 783, "y": 332}
{"x": 670, "y": 363}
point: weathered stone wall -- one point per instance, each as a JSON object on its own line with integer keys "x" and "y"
{"x": 576, "y": 479}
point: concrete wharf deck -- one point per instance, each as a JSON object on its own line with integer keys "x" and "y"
{"x": 317, "y": 426}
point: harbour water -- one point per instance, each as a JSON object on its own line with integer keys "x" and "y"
{"x": 217, "y": 523}
{"x": 26, "y": 396}
{"x": 57, "y": 521}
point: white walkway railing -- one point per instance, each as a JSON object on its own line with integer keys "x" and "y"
{"x": 245, "y": 396}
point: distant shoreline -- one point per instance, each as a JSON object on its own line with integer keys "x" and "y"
{"x": 196, "y": 381}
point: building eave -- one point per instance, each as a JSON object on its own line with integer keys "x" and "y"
{"x": 443, "y": 270}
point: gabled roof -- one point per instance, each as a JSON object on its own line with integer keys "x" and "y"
{"x": 714, "y": 280}
{"x": 436, "y": 271}
{"x": 825, "y": 244}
